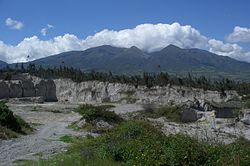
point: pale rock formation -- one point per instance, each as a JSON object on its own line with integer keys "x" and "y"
{"x": 28, "y": 88}
{"x": 50, "y": 91}
{"x": 95, "y": 91}
{"x": 246, "y": 117}
{"x": 4, "y": 90}
{"x": 15, "y": 88}
{"x": 41, "y": 89}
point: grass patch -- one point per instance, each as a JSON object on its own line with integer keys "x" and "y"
{"x": 70, "y": 138}
{"x": 172, "y": 113}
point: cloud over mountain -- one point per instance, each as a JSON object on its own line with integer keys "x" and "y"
{"x": 13, "y": 24}
{"x": 148, "y": 37}
{"x": 239, "y": 34}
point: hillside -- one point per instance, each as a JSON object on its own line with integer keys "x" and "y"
{"x": 132, "y": 60}
{"x": 2, "y": 64}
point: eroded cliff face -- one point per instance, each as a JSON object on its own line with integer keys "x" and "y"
{"x": 98, "y": 92}
{"x": 95, "y": 91}
{"x": 28, "y": 88}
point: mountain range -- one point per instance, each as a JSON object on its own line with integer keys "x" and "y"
{"x": 132, "y": 60}
{"x": 2, "y": 64}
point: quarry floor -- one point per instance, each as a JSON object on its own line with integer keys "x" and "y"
{"x": 51, "y": 121}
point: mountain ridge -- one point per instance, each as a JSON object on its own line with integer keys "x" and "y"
{"x": 133, "y": 60}
{"x": 3, "y": 64}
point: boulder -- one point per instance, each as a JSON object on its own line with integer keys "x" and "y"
{"x": 225, "y": 113}
{"x": 28, "y": 88}
{"x": 246, "y": 117}
{"x": 189, "y": 115}
{"x": 4, "y": 90}
{"x": 101, "y": 124}
{"x": 15, "y": 89}
{"x": 50, "y": 91}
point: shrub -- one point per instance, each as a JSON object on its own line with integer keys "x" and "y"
{"x": 7, "y": 118}
{"x": 11, "y": 121}
{"x": 91, "y": 113}
{"x": 172, "y": 113}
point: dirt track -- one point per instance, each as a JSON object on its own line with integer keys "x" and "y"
{"x": 51, "y": 122}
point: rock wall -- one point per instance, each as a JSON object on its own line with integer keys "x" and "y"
{"x": 95, "y": 91}
{"x": 28, "y": 88}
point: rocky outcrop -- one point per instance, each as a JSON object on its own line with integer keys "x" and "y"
{"x": 15, "y": 88}
{"x": 246, "y": 117}
{"x": 4, "y": 90}
{"x": 41, "y": 88}
{"x": 189, "y": 115}
{"x": 46, "y": 89}
{"x": 98, "y": 92}
{"x": 28, "y": 88}
{"x": 95, "y": 91}
{"x": 50, "y": 91}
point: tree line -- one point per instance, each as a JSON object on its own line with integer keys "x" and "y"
{"x": 146, "y": 79}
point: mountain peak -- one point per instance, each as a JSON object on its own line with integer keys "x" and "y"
{"x": 172, "y": 47}
{"x": 134, "y": 48}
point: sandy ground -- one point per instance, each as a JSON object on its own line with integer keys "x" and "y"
{"x": 51, "y": 121}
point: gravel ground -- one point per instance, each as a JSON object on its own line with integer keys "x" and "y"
{"x": 126, "y": 108}
{"x": 51, "y": 121}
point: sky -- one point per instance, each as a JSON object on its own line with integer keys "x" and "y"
{"x": 40, "y": 28}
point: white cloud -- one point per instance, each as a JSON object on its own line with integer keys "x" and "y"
{"x": 44, "y": 30}
{"x": 239, "y": 34}
{"x": 13, "y": 24}
{"x": 232, "y": 50}
{"x": 148, "y": 37}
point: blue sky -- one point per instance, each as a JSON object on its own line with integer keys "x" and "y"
{"x": 214, "y": 19}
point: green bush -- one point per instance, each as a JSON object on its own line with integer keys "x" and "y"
{"x": 91, "y": 113}
{"x": 12, "y": 122}
{"x": 7, "y": 119}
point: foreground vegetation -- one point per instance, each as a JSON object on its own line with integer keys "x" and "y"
{"x": 11, "y": 125}
{"x": 146, "y": 79}
{"x": 138, "y": 143}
